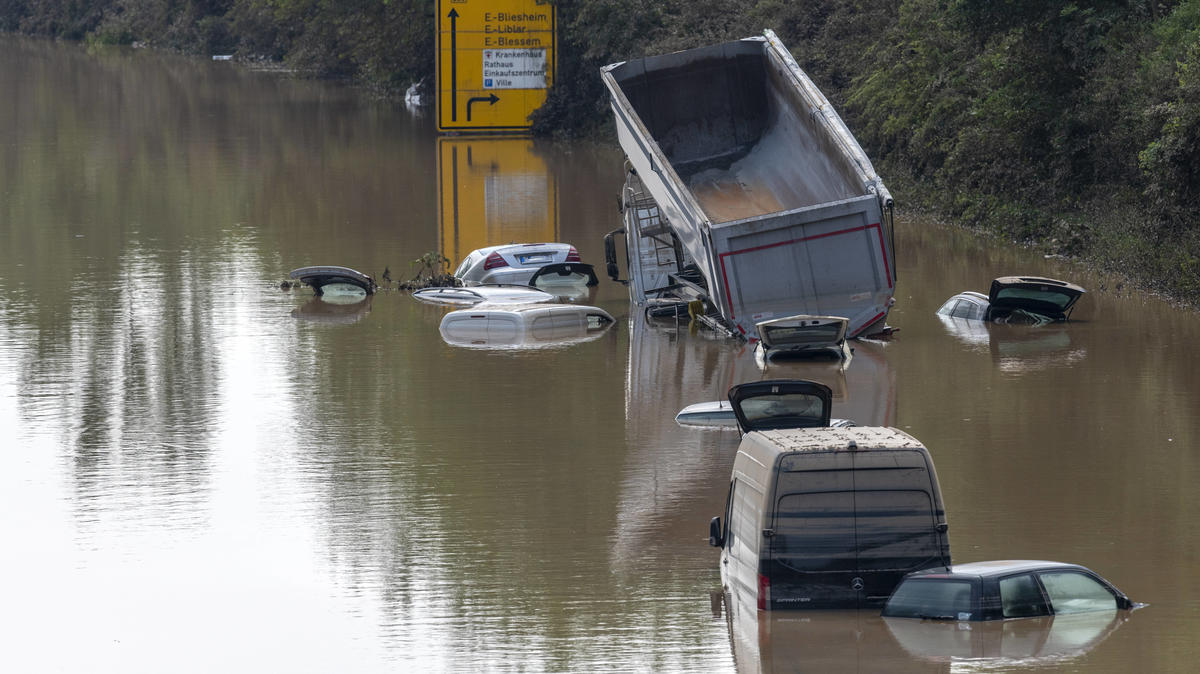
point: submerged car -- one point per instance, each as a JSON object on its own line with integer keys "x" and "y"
{"x": 492, "y": 294}
{"x": 804, "y": 336}
{"x": 333, "y": 280}
{"x": 999, "y": 590}
{"x": 718, "y": 414}
{"x": 524, "y": 326}
{"x": 525, "y": 264}
{"x": 1016, "y": 299}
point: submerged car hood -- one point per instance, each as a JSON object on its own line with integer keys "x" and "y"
{"x": 1045, "y": 296}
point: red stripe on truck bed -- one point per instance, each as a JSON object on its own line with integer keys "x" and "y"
{"x": 876, "y": 226}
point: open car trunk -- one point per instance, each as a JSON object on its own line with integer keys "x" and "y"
{"x": 1031, "y": 299}
{"x": 781, "y": 403}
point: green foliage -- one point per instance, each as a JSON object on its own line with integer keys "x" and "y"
{"x": 71, "y": 19}
{"x": 431, "y": 272}
{"x": 1170, "y": 161}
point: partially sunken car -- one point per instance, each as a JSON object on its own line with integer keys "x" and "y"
{"x": 718, "y": 414}
{"x": 1016, "y": 299}
{"x": 999, "y": 590}
{"x": 804, "y": 336}
{"x": 524, "y": 326}
{"x": 500, "y": 293}
{"x": 520, "y": 263}
{"x": 334, "y": 280}
{"x": 821, "y": 517}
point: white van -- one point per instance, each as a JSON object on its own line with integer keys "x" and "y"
{"x": 821, "y": 517}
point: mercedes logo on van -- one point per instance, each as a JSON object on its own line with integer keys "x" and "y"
{"x": 857, "y": 583}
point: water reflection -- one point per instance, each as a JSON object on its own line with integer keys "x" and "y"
{"x": 1018, "y": 349}
{"x": 1006, "y": 644}
{"x": 862, "y": 641}
{"x": 864, "y": 385}
{"x": 334, "y": 309}
{"x": 492, "y": 191}
{"x": 671, "y": 367}
{"x": 815, "y": 641}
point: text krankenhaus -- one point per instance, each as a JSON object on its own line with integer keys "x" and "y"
{"x": 514, "y": 68}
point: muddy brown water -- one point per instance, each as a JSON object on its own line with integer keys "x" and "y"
{"x": 202, "y": 471}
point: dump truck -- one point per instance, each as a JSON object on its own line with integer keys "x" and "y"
{"x": 745, "y": 193}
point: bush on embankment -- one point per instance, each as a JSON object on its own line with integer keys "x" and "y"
{"x": 1072, "y": 125}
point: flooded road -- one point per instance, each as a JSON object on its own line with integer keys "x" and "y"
{"x": 202, "y": 471}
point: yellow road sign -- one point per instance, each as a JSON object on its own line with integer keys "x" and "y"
{"x": 495, "y": 61}
{"x": 493, "y": 191}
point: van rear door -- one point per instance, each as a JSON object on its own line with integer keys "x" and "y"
{"x": 899, "y": 520}
{"x": 781, "y": 403}
{"x": 811, "y": 558}
{"x": 848, "y": 525}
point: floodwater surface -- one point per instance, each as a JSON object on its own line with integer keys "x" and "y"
{"x": 202, "y": 471}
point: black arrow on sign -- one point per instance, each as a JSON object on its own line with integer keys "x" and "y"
{"x": 454, "y": 68}
{"x": 491, "y": 100}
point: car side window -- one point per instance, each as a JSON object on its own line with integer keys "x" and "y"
{"x": 1074, "y": 592}
{"x": 935, "y": 599}
{"x": 961, "y": 310}
{"x": 744, "y": 521}
{"x": 1021, "y": 597}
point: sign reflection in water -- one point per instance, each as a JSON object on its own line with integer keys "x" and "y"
{"x": 493, "y": 191}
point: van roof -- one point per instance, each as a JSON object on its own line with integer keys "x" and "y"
{"x": 865, "y": 438}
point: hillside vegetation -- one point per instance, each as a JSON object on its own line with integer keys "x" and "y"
{"x": 1072, "y": 125}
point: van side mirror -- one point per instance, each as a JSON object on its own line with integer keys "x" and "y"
{"x": 942, "y": 527}
{"x": 715, "y": 538}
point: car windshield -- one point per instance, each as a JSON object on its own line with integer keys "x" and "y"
{"x": 941, "y": 599}
{"x": 1058, "y": 299}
